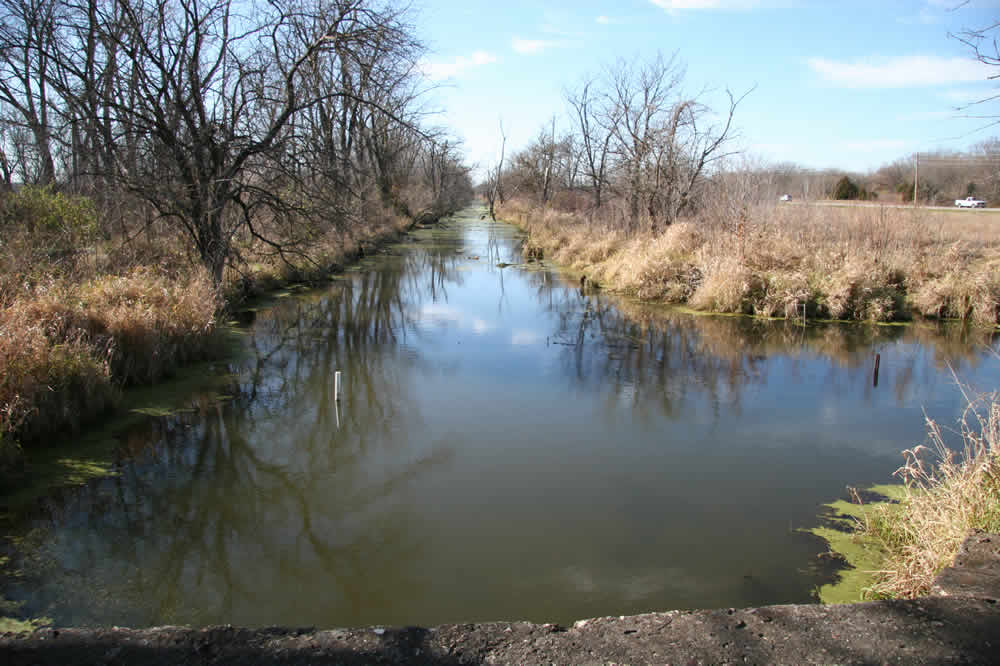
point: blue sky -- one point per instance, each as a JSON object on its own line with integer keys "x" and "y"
{"x": 844, "y": 84}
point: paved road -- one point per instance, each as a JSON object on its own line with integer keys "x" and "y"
{"x": 876, "y": 204}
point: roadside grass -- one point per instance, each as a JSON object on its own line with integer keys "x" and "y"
{"x": 844, "y": 263}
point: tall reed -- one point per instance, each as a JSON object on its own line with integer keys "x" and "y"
{"x": 949, "y": 491}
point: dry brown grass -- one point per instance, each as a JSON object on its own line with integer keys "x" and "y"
{"x": 82, "y": 317}
{"x": 264, "y": 269}
{"x": 852, "y": 262}
{"x": 947, "y": 495}
{"x": 66, "y": 350}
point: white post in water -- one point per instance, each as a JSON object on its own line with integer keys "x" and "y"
{"x": 336, "y": 386}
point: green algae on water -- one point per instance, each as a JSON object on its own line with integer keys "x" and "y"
{"x": 76, "y": 460}
{"x": 862, "y": 556}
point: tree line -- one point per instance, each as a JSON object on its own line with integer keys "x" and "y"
{"x": 940, "y": 176}
{"x": 639, "y": 148}
{"x": 229, "y": 121}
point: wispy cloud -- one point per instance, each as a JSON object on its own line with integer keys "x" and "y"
{"x": 876, "y": 145}
{"x": 437, "y": 71}
{"x": 925, "y": 16}
{"x": 925, "y": 115}
{"x": 443, "y": 315}
{"x": 535, "y": 46}
{"x": 677, "y": 5}
{"x": 900, "y": 71}
{"x": 521, "y": 337}
{"x": 963, "y": 96}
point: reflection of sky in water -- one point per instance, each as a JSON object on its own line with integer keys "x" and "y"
{"x": 506, "y": 448}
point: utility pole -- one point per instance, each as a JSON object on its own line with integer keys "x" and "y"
{"x": 916, "y": 174}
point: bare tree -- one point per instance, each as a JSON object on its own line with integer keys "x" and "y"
{"x": 27, "y": 34}
{"x": 494, "y": 178}
{"x": 659, "y": 138}
{"x": 594, "y": 136}
{"x": 638, "y": 97}
{"x": 210, "y": 96}
{"x": 537, "y": 167}
{"x": 983, "y": 44}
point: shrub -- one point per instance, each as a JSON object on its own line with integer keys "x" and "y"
{"x": 845, "y": 189}
{"x": 44, "y": 212}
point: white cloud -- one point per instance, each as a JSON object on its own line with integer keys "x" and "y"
{"x": 926, "y": 115}
{"x": 524, "y": 337}
{"x": 440, "y": 312}
{"x": 437, "y": 71}
{"x": 900, "y": 71}
{"x": 444, "y": 315}
{"x": 964, "y": 96}
{"x": 876, "y": 145}
{"x": 675, "y": 5}
{"x": 535, "y": 46}
{"x": 925, "y": 16}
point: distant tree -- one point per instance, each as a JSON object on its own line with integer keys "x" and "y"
{"x": 845, "y": 189}
{"x": 905, "y": 191}
{"x": 494, "y": 179}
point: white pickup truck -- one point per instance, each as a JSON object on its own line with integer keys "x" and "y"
{"x": 970, "y": 202}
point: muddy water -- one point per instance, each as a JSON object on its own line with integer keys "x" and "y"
{"x": 507, "y": 447}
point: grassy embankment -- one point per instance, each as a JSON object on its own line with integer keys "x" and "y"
{"x": 852, "y": 263}
{"x": 864, "y": 264}
{"x": 81, "y": 316}
{"x": 897, "y": 547}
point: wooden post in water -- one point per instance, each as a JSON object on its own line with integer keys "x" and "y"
{"x": 878, "y": 357}
{"x": 336, "y": 386}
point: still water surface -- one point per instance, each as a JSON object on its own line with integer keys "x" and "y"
{"x": 507, "y": 448}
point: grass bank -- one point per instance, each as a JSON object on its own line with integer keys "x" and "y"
{"x": 845, "y": 263}
{"x": 950, "y": 486}
{"x": 84, "y": 315}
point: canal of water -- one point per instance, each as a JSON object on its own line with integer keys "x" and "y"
{"x": 507, "y": 447}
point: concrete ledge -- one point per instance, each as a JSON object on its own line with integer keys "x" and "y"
{"x": 961, "y": 628}
{"x": 976, "y": 572}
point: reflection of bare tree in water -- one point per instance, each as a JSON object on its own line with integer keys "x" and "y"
{"x": 264, "y": 491}
{"x": 251, "y": 502}
{"x": 652, "y": 368}
{"x": 655, "y": 357}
